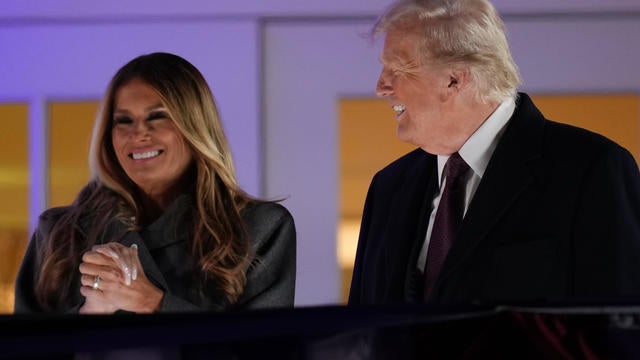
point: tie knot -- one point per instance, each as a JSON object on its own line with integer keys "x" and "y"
{"x": 456, "y": 166}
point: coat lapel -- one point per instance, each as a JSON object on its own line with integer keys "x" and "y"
{"x": 414, "y": 280}
{"x": 508, "y": 174}
{"x": 146, "y": 260}
{"x": 407, "y": 225}
{"x": 166, "y": 231}
{"x": 117, "y": 229}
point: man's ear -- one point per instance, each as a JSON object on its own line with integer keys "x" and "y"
{"x": 459, "y": 78}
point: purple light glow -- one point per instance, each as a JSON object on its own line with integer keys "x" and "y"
{"x": 38, "y": 175}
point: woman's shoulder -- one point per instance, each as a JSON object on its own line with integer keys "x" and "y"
{"x": 48, "y": 219}
{"x": 263, "y": 213}
{"x": 51, "y": 215}
{"x": 272, "y": 235}
{"x": 268, "y": 221}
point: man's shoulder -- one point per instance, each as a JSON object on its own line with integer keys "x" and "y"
{"x": 571, "y": 149}
{"x": 578, "y": 140}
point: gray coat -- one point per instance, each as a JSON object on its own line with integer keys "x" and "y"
{"x": 164, "y": 248}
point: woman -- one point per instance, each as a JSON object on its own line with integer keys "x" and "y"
{"x": 162, "y": 225}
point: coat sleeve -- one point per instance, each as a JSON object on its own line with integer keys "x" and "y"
{"x": 25, "y": 300}
{"x": 607, "y": 229}
{"x": 174, "y": 304}
{"x": 271, "y": 276}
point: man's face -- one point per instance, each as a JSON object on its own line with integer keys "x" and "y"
{"x": 419, "y": 94}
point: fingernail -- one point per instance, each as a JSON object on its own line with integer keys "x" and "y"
{"x": 127, "y": 273}
{"x": 113, "y": 254}
{"x": 135, "y": 273}
{"x": 134, "y": 246}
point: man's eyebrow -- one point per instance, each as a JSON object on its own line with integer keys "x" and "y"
{"x": 389, "y": 59}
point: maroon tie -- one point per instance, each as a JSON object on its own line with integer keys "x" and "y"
{"x": 447, "y": 221}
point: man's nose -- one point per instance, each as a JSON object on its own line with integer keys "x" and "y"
{"x": 383, "y": 88}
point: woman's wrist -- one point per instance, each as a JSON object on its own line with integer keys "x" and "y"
{"x": 154, "y": 302}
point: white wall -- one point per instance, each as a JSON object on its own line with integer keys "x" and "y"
{"x": 583, "y": 55}
{"x": 307, "y": 67}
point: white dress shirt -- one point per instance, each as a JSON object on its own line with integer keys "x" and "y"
{"x": 476, "y": 152}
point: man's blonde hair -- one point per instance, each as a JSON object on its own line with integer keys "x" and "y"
{"x": 459, "y": 32}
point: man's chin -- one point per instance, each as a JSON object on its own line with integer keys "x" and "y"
{"x": 406, "y": 136}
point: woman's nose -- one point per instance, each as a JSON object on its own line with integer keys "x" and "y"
{"x": 141, "y": 129}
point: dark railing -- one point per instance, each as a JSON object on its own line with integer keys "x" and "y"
{"x": 333, "y": 332}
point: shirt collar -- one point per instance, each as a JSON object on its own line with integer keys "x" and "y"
{"x": 477, "y": 150}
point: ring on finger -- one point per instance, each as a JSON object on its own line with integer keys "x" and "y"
{"x": 96, "y": 282}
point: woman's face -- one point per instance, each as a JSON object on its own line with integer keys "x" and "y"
{"x": 147, "y": 143}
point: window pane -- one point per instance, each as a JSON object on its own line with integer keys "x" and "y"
{"x": 14, "y": 182}
{"x": 70, "y": 126}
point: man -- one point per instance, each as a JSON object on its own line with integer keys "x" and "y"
{"x": 526, "y": 210}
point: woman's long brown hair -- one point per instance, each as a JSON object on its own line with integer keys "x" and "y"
{"x": 220, "y": 246}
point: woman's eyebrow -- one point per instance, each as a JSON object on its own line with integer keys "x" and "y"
{"x": 147, "y": 109}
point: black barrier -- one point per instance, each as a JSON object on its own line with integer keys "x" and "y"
{"x": 333, "y": 332}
